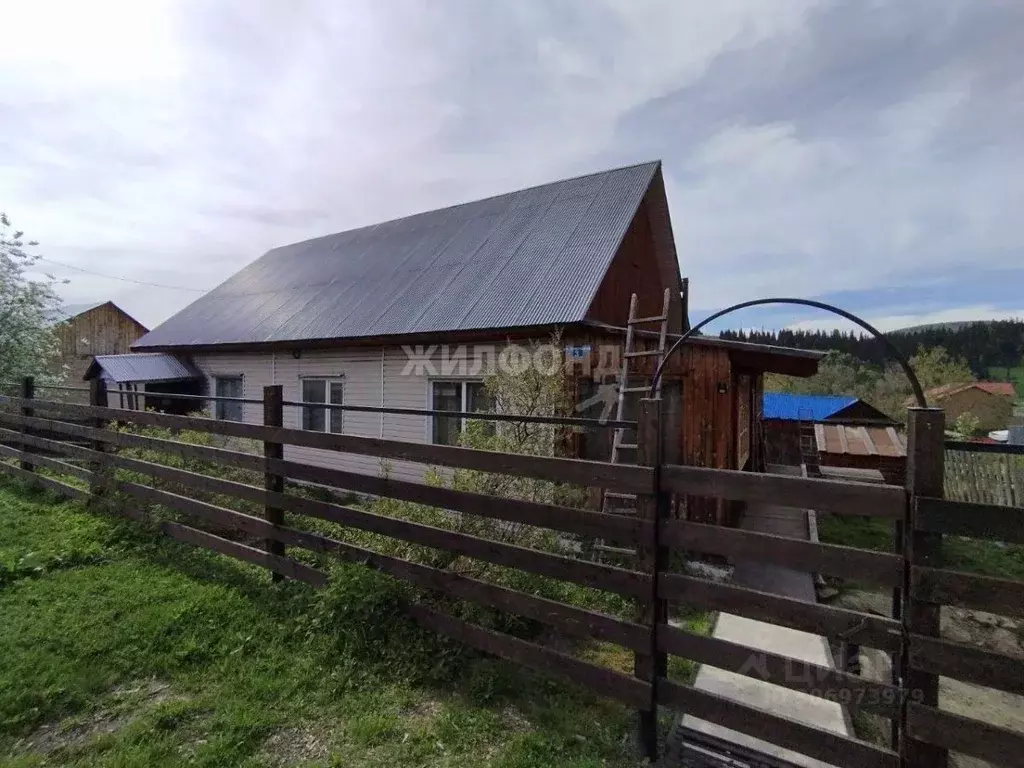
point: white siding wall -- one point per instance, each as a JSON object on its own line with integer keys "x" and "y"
{"x": 367, "y": 373}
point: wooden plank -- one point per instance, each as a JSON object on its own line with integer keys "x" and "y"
{"x": 844, "y": 441}
{"x": 222, "y": 456}
{"x": 970, "y": 590}
{"x": 28, "y": 393}
{"x": 868, "y": 442}
{"x": 649, "y": 663}
{"x": 46, "y": 461}
{"x": 273, "y": 416}
{"x": 967, "y": 662}
{"x": 824, "y": 682}
{"x": 574, "y": 621}
{"x": 806, "y": 556}
{"x": 623, "y": 477}
{"x": 568, "y": 519}
{"x": 621, "y": 581}
{"x": 925, "y": 477}
{"x": 841, "y": 497}
{"x": 45, "y": 443}
{"x": 961, "y": 518}
{"x": 999, "y": 746}
{"x": 852, "y": 626}
{"x": 618, "y": 528}
{"x": 571, "y": 620}
{"x": 283, "y": 565}
{"x": 45, "y": 482}
{"x": 600, "y": 680}
{"x": 805, "y": 739}
{"x": 595, "y": 575}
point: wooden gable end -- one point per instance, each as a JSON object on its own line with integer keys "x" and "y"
{"x": 645, "y": 264}
{"x": 102, "y": 330}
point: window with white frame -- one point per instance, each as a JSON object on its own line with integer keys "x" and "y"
{"x": 323, "y": 392}
{"x": 456, "y": 396}
{"x": 227, "y": 386}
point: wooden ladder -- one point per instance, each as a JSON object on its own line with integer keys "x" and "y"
{"x": 623, "y": 451}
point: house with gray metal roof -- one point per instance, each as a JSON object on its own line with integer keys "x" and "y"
{"x": 351, "y": 318}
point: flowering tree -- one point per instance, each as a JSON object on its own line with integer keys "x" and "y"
{"x": 28, "y": 306}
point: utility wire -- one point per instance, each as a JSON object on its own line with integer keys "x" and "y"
{"x": 123, "y": 279}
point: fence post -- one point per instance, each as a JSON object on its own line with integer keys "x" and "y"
{"x": 98, "y": 397}
{"x": 28, "y": 392}
{"x": 650, "y": 665}
{"x": 273, "y": 416}
{"x": 925, "y": 468}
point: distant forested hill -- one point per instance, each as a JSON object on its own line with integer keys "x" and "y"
{"x": 983, "y": 344}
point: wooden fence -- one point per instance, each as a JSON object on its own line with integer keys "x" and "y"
{"x": 985, "y": 478}
{"x": 655, "y": 581}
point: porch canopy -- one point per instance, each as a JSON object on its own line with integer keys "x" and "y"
{"x": 141, "y": 368}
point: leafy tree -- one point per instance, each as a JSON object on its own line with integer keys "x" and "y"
{"x": 935, "y": 367}
{"x": 838, "y": 374}
{"x": 966, "y": 424}
{"x": 888, "y": 389}
{"x": 28, "y": 345}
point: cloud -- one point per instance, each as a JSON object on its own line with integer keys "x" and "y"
{"x": 811, "y": 148}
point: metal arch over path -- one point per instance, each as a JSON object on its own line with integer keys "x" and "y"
{"x": 889, "y": 347}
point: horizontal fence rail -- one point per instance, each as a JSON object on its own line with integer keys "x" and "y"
{"x": 840, "y": 623}
{"x": 626, "y": 530}
{"x": 970, "y": 447}
{"x": 774, "y": 728}
{"x": 807, "y": 556}
{"x": 842, "y": 497}
{"x": 564, "y": 421}
{"x": 621, "y": 477}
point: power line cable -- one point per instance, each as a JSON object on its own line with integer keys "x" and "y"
{"x": 123, "y": 279}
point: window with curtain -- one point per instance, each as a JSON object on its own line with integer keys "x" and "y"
{"x": 322, "y": 392}
{"x": 228, "y": 386}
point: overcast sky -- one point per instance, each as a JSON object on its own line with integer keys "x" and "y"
{"x": 870, "y": 153}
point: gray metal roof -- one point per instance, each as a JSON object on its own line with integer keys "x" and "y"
{"x": 144, "y": 366}
{"x": 533, "y": 257}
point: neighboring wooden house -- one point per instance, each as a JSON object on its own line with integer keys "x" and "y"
{"x": 408, "y": 312}
{"x": 991, "y": 402}
{"x": 87, "y": 330}
{"x": 784, "y": 413}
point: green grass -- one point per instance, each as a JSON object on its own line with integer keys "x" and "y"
{"x": 985, "y": 557}
{"x": 137, "y": 651}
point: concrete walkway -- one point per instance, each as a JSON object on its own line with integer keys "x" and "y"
{"x": 803, "y": 646}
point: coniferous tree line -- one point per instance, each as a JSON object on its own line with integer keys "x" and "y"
{"x": 998, "y": 343}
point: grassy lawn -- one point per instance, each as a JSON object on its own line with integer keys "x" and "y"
{"x": 121, "y": 649}
{"x": 986, "y": 557}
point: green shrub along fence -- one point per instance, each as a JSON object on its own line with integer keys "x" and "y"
{"x": 482, "y": 565}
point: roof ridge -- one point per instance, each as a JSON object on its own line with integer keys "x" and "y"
{"x": 473, "y": 201}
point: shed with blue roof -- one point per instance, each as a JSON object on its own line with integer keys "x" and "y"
{"x": 784, "y": 412}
